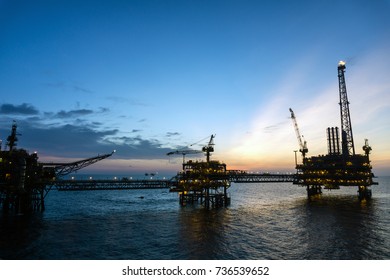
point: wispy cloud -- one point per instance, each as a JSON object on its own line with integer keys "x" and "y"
{"x": 81, "y": 89}
{"x": 272, "y": 128}
{"x": 126, "y": 100}
{"x": 172, "y": 134}
{"x": 55, "y": 84}
{"x": 68, "y": 86}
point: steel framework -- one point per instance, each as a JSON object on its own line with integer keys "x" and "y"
{"x": 348, "y": 147}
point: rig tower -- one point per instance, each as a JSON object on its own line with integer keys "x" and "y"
{"x": 348, "y": 147}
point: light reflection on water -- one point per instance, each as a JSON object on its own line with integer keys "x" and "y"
{"x": 264, "y": 221}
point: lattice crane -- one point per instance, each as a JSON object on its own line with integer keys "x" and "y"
{"x": 302, "y": 143}
{"x": 184, "y": 153}
{"x": 208, "y": 149}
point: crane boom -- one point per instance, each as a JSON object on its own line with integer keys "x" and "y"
{"x": 184, "y": 153}
{"x": 62, "y": 169}
{"x": 209, "y": 148}
{"x": 302, "y": 143}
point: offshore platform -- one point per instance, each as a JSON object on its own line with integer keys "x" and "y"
{"x": 341, "y": 166}
{"x": 24, "y": 180}
{"x": 204, "y": 182}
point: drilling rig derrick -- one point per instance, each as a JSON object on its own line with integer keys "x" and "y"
{"x": 348, "y": 147}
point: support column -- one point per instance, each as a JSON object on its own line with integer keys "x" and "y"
{"x": 313, "y": 190}
{"x": 364, "y": 193}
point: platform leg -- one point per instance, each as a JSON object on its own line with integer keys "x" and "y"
{"x": 313, "y": 190}
{"x": 364, "y": 193}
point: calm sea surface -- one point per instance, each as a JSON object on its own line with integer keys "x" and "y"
{"x": 264, "y": 221}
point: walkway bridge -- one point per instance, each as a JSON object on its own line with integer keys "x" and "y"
{"x": 91, "y": 185}
{"x": 237, "y": 176}
{"x": 234, "y": 176}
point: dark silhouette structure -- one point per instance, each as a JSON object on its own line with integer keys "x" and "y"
{"x": 24, "y": 181}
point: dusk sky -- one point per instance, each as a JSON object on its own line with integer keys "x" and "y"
{"x": 146, "y": 77}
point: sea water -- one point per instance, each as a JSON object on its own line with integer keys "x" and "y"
{"x": 263, "y": 221}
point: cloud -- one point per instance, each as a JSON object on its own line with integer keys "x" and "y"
{"x": 63, "y": 140}
{"x": 55, "y": 84}
{"x": 73, "y": 113}
{"x": 130, "y": 101}
{"x": 24, "y": 109}
{"x": 104, "y": 110}
{"x": 81, "y": 138}
{"x": 272, "y": 128}
{"x": 82, "y": 89}
{"x": 172, "y": 134}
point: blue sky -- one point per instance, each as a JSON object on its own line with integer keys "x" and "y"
{"x": 147, "y": 77}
